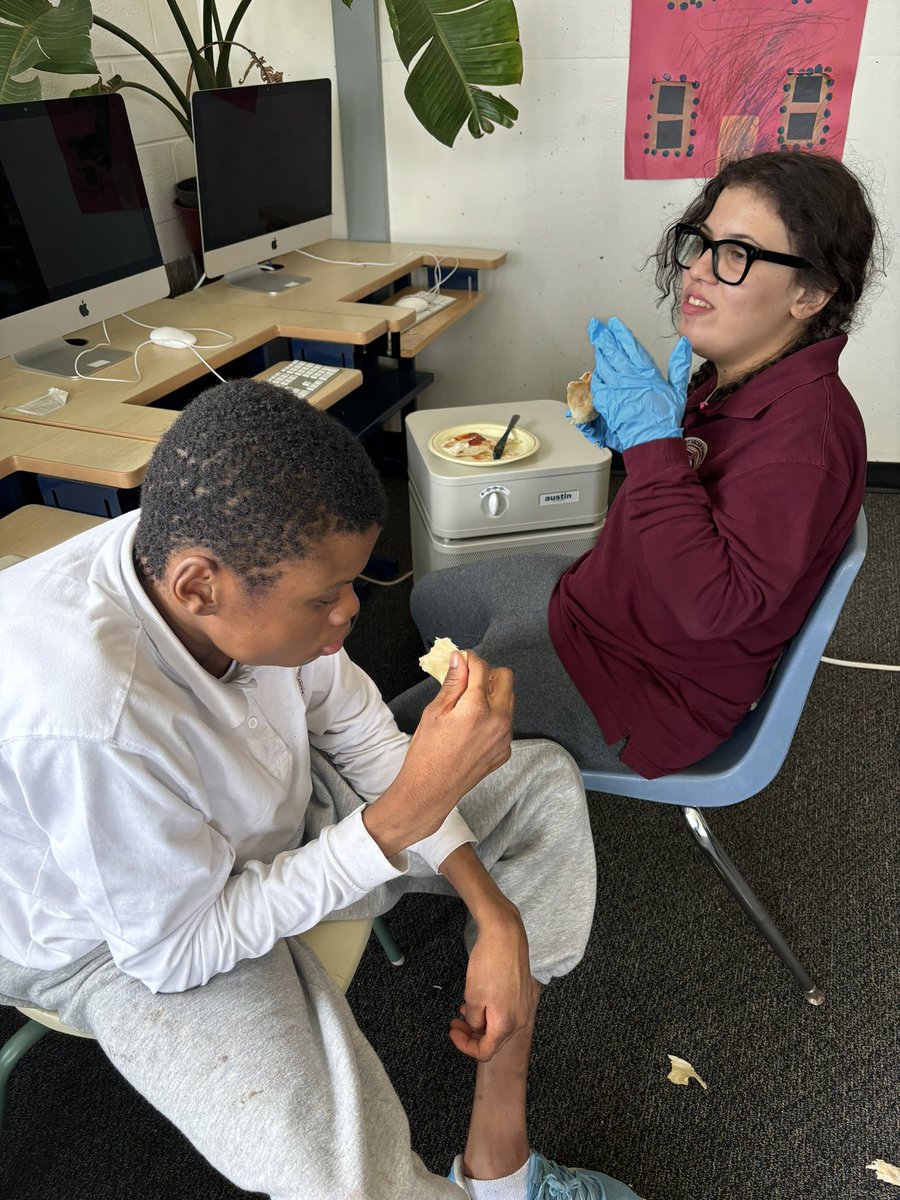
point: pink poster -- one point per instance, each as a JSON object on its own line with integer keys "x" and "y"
{"x": 711, "y": 80}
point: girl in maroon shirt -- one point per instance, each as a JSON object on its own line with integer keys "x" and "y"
{"x": 742, "y": 485}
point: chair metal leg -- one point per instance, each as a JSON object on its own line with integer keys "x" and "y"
{"x": 14, "y": 1049}
{"x": 749, "y": 902}
{"x": 395, "y": 955}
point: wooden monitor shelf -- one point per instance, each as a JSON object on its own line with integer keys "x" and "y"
{"x": 417, "y": 337}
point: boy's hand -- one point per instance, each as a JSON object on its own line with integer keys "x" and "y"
{"x": 465, "y": 733}
{"x": 500, "y": 994}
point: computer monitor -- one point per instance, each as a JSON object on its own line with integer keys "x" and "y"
{"x": 263, "y": 156}
{"x": 77, "y": 240}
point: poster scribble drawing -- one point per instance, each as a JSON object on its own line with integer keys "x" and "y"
{"x": 713, "y": 79}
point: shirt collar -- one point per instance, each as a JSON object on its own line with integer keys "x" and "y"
{"x": 802, "y": 367}
{"x": 223, "y": 697}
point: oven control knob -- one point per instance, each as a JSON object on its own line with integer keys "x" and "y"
{"x": 494, "y": 504}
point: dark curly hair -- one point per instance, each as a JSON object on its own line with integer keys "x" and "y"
{"x": 829, "y": 218}
{"x": 256, "y": 477}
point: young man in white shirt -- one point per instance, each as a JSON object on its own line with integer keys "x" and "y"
{"x": 193, "y": 772}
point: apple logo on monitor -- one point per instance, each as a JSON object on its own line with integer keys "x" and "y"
{"x": 274, "y": 243}
{"x": 83, "y": 309}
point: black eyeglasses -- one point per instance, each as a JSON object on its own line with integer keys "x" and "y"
{"x": 731, "y": 260}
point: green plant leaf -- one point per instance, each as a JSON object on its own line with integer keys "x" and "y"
{"x": 14, "y": 91}
{"x": 460, "y": 45}
{"x": 451, "y": 48}
{"x": 173, "y": 85}
{"x": 35, "y": 34}
{"x": 205, "y": 76}
{"x": 116, "y": 83}
{"x": 100, "y": 86}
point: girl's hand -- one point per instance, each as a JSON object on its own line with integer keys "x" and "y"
{"x": 628, "y": 390}
{"x": 597, "y": 432}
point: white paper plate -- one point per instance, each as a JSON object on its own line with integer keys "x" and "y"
{"x": 520, "y": 444}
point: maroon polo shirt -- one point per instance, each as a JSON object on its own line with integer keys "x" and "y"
{"x": 713, "y": 551}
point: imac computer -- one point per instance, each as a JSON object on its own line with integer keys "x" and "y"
{"x": 77, "y": 241}
{"x": 263, "y": 156}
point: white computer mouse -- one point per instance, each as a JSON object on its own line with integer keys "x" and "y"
{"x": 175, "y": 339}
{"x": 414, "y": 302}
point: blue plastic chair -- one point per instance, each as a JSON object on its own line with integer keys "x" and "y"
{"x": 753, "y": 755}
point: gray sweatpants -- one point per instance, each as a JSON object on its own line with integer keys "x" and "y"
{"x": 264, "y": 1068}
{"x": 499, "y": 609}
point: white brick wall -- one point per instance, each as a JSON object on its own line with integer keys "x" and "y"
{"x": 551, "y": 191}
{"x": 293, "y": 37}
{"x": 164, "y": 151}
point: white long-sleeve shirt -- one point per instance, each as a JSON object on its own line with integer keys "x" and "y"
{"x": 146, "y": 803}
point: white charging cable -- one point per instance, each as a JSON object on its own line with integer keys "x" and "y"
{"x": 212, "y": 370}
{"x": 194, "y": 329}
{"x": 134, "y": 357}
{"x": 106, "y": 378}
{"x": 440, "y": 279}
{"x": 841, "y": 662}
{"x": 386, "y": 582}
{"x": 346, "y": 262}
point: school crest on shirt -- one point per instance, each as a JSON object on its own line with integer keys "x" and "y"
{"x": 696, "y": 448}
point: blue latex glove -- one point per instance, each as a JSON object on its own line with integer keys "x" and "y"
{"x": 636, "y": 402}
{"x": 596, "y": 431}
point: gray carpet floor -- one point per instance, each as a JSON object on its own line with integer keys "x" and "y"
{"x": 799, "y": 1099}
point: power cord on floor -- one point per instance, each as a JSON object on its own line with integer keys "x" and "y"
{"x": 385, "y": 582}
{"x": 840, "y": 662}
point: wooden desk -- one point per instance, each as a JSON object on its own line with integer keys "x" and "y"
{"x": 34, "y": 528}
{"x": 326, "y": 309}
{"x": 98, "y": 405}
{"x": 72, "y": 454}
{"x": 419, "y": 336}
{"x": 336, "y": 287}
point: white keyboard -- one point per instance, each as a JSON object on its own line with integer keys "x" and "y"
{"x": 303, "y": 378}
{"x": 435, "y": 301}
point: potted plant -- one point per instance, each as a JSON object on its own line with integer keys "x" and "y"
{"x": 456, "y": 53}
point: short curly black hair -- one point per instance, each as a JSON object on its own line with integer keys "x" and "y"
{"x": 256, "y": 477}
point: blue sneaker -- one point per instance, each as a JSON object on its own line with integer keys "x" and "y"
{"x": 456, "y": 1174}
{"x": 547, "y": 1180}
